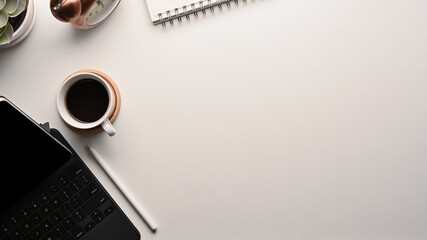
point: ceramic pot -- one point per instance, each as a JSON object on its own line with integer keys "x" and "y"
{"x": 25, "y": 20}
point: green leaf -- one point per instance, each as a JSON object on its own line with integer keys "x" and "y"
{"x": 11, "y": 6}
{"x": 4, "y": 17}
{"x": 7, "y": 35}
{"x": 22, "y": 4}
{"x": 2, "y": 3}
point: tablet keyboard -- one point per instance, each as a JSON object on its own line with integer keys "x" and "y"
{"x": 70, "y": 206}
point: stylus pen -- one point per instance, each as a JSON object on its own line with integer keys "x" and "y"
{"x": 122, "y": 189}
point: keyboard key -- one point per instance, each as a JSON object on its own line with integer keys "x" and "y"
{"x": 66, "y": 194}
{"x": 4, "y": 229}
{"x": 74, "y": 170}
{"x": 16, "y": 233}
{"x": 68, "y": 223}
{"x": 33, "y": 205}
{"x": 58, "y": 231}
{"x": 96, "y": 213}
{"x": 36, "y": 233}
{"x": 13, "y": 221}
{"x": 78, "y": 215}
{"x": 75, "y": 186}
{"x": 94, "y": 202}
{"x": 23, "y": 212}
{"x": 26, "y": 225}
{"x": 66, "y": 209}
{"x": 62, "y": 181}
{"x": 109, "y": 210}
{"x": 75, "y": 202}
{"x": 77, "y": 232}
{"x": 52, "y": 188}
{"x": 89, "y": 191}
{"x": 46, "y": 225}
{"x": 97, "y": 216}
{"x": 46, "y": 210}
{"x": 55, "y": 202}
{"x": 43, "y": 197}
{"x": 36, "y": 218}
{"x": 89, "y": 226}
{"x": 84, "y": 178}
{"x": 56, "y": 218}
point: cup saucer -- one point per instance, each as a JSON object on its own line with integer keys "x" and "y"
{"x": 113, "y": 85}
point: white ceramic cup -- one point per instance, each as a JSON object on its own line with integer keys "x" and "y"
{"x": 104, "y": 121}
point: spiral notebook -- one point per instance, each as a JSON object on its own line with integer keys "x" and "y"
{"x": 162, "y": 11}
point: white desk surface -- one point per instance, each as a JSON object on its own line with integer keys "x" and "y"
{"x": 273, "y": 120}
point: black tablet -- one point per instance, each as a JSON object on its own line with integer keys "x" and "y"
{"x": 28, "y": 153}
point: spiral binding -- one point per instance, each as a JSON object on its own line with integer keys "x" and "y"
{"x": 187, "y": 10}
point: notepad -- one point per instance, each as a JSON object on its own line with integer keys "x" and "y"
{"x": 162, "y": 11}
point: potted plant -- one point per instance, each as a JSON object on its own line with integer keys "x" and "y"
{"x": 16, "y": 21}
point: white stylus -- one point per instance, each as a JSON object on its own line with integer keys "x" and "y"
{"x": 122, "y": 189}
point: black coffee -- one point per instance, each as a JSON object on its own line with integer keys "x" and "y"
{"x": 87, "y": 100}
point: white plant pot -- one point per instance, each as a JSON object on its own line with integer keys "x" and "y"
{"x": 26, "y": 26}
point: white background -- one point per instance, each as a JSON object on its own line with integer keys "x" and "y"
{"x": 275, "y": 119}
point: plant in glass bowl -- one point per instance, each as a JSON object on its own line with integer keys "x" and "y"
{"x": 16, "y": 20}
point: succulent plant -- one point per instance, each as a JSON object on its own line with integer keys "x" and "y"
{"x": 9, "y": 9}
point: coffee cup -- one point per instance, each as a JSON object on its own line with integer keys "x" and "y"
{"x": 89, "y": 100}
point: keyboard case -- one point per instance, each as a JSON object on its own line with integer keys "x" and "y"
{"x": 118, "y": 226}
